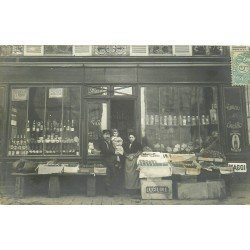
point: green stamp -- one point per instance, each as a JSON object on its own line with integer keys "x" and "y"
{"x": 240, "y": 63}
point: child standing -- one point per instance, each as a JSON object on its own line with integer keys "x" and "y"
{"x": 117, "y": 144}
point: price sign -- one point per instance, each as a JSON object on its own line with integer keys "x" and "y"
{"x": 238, "y": 167}
{"x": 19, "y": 95}
{"x": 55, "y": 92}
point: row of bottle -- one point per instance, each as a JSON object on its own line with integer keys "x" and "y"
{"x": 51, "y": 126}
{"x": 181, "y": 120}
{"x": 19, "y": 145}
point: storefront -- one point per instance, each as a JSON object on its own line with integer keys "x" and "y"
{"x": 57, "y": 106}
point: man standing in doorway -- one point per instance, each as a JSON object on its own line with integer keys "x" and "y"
{"x": 109, "y": 160}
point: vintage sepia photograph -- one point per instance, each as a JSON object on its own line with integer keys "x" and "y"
{"x": 124, "y": 124}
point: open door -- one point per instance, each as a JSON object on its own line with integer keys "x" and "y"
{"x": 123, "y": 117}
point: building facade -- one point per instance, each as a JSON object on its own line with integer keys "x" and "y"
{"x": 56, "y": 100}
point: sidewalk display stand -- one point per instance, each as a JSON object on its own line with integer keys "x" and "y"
{"x": 175, "y": 176}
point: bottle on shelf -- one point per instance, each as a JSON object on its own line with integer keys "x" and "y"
{"x": 174, "y": 120}
{"x": 156, "y": 119}
{"x": 203, "y": 120}
{"x": 213, "y": 114}
{"x": 184, "y": 120}
{"x": 165, "y": 120}
{"x": 170, "y": 120}
{"x": 28, "y": 126}
{"x": 180, "y": 120}
{"x": 41, "y": 126}
{"x": 34, "y": 126}
{"x": 68, "y": 126}
{"x": 72, "y": 129}
{"x": 189, "y": 120}
{"x": 193, "y": 121}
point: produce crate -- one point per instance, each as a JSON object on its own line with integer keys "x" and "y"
{"x": 201, "y": 190}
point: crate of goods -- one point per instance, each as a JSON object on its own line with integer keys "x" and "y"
{"x": 100, "y": 170}
{"x": 50, "y": 169}
{"x": 201, "y": 190}
{"x": 182, "y": 157}
{"x": 156, "y": 189}
{"x": 154, "y": 165}
{"x": 70, "y": 168}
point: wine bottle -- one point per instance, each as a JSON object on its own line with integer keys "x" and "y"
{"x": 68, "y": 126}
{"x": 28, "y": 126}
{"x": 72, "y": 129}
{"x": 34, "y": 126}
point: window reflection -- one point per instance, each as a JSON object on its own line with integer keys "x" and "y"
{"x": 45, "y": 121}
{"x": 178, "y": 119}
{"x": 97, "y": 121}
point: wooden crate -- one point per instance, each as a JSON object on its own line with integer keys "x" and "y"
{"x": 201, "y": 190}
{"x": 156, "y": 189}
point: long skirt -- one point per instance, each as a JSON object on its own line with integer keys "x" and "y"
{"x": 131, "y": 174}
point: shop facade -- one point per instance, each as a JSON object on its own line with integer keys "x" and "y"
{"x": 56, "y": 106}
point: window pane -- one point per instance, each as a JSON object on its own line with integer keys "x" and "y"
{"x": 208, "y": 114}
{"x": 71, "y": 120}
{"x": 18, "y": 144}
{"x": 121, "y": 90}
{"x": 53, "y": 137}
{"x": 178, "y": 118}
{"x": 35, "y": 124}
{"x": 98, "y": 90}
{"x": 97, "y": 121}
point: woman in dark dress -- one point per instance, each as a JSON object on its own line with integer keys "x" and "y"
{"x": 132, "y": 151}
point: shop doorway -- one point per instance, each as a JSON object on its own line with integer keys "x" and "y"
{"x": 123, "y": 116}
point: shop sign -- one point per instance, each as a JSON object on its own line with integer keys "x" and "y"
{"x": 234, "y": 120}
{"x": 19, "y": 95}
{"x": 55, "y": 92}
{"x": 238, "y": 167}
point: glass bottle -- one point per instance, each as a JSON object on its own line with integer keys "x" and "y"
{"x": 34, "y": 126}
{"x": 68, "y": 126}
{"x": 72, "y": 129}
{"x": 193, "y": 121}
{"x": 180, "y": 120}
{"x": 188, "y": 120}
{"x": 28, "y": 126}
{"x": 174, "y": 120}
{"x": 170, "y": 120}
{"x": 38, "y": 127}
{"x": 203, "y": 120}
{"x": 184, "y": 120}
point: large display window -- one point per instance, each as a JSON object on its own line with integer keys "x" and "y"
{"x": 178, "y": 118}
{"x": 45, "y": 121}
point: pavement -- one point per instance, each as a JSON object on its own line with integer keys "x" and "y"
{"x": 239, "y": 199}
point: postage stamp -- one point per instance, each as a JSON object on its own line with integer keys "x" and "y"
{"x": 240, "y": 63}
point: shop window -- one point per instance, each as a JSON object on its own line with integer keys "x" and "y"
{"x": 248, "y": 110}
{"x": 97, "y": 121}
{"x": 178, "y": 119}
{"x": 1, "y": 118}
{"x": 44, "y": 121}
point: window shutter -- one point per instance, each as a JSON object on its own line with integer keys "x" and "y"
{"x": 82, "y": 50}
{"x": 33, "y": 50}
{"x": 138, "y": 50}
{"x": 182, "y": 50}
